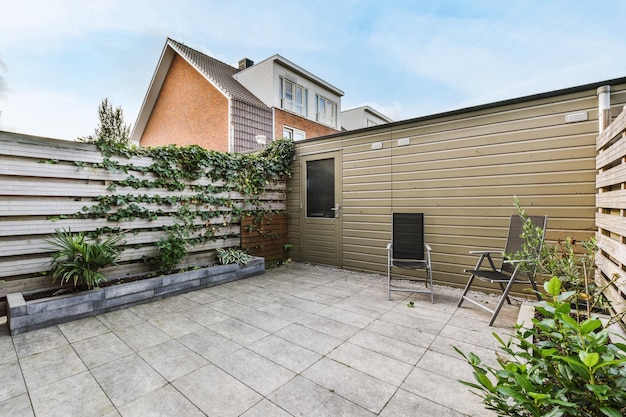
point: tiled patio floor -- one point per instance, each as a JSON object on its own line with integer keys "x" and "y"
{"x": 299, "y": 340}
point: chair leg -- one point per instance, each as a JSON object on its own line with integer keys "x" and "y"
{"x": 432, "y": 290}
{"x": 505, "y": 296}
{"x": 388, "y": 281}
{"x": 466, "y": 290}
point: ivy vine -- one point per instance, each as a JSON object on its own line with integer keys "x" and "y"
{"x": 173, "y": 169}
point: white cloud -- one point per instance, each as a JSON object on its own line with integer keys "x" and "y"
{"x": 54, "y": 114}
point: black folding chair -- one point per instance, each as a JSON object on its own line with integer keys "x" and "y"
{"x": 510, "y": 271}
{"x": 408, "y": 250}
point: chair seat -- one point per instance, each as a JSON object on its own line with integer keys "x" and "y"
{"x": 493, "y": 276}
{"x": 409, "y": 264}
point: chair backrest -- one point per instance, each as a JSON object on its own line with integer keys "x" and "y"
{"x": 514, "y": 240}
{"x": 408, "y": 236}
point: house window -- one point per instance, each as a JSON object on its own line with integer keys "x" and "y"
{"x": 326, "y": 111}
{"x": 294, "y": 134}
{"x": 293, "y": 97}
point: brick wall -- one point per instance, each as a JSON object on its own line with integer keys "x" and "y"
{"x": 188, "y": 110}
{"x": 311, "y": 128}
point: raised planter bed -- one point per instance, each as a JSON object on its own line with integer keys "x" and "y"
{"x": 24, "y": 316}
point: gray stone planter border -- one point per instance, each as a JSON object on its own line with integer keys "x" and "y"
{"x": 24, "y": 316}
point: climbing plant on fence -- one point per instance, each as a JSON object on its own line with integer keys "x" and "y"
{"x": 178, "y": 176}
{"x": 164, "y": 198}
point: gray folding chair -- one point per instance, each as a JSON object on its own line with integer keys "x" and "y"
{"x": 510, "y": 271}
{"x": 408, "y": 250}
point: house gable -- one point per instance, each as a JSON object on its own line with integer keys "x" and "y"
{"x": 188, "y": 110}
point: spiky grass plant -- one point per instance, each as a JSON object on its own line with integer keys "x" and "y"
{"x": 78, "y": 260}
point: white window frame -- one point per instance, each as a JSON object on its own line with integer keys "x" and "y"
{"x": 289, "y": 97}
{"x": 293, "y": 133}
{"x": 326, "y": 111}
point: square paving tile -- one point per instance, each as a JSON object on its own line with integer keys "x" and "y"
{"x": 303, "y": 398}
{"x": 172, "y": 359}
{"x": 51, "y": 366}
{"x": 12, "y": 381}
{"x": 173, "y": 324}
{"x": 7, "y": 351}
{"x": 257, "y": 372}
{"x": 127, "y": 379}
{"x": 372, "y": 363}
{"x": 82, "y": 329}
{"x": 217, "y": 393}
{"x": 201, "y": 296}
{"x": 208, "y": 344}
{"x": 406, "y": 334}
{"x": 86, "y": 399}
{"x": 238, "y": 331}
{"x": 17, "y": 407}
{"x": 447, "y": 392}
{"x": 119, "y": 319}
{"x": 141, "y": 336}
{"x": 287, "y": 354}
{"x": 101, "y": 349}
{"x": 406, "y": 404}
{"x": 362, "y": 389}
{"x": 204, "y": 315}
{"x": 329, "y": 326}
{"x": 164, "y": 401}
{"x": 308, "y": 338}
{"x": 37, "y": 341}
{"x": 389, "y": 346}
{"x": 346, "y": 317}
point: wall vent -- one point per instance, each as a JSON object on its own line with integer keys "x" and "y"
{"x": 580, "y": 116}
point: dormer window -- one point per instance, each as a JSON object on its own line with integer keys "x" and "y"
{"x": 293, "y": 97}
{"x": 326, "y": 111}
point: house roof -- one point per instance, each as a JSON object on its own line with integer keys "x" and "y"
{"x": 219, "y": 73}
{"x": 298, "y": 70}
{"x": 368, "y": 109}
{"x": 216, "y": 72}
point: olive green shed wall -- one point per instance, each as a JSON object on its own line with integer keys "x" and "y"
{"x": 463, "y": 169}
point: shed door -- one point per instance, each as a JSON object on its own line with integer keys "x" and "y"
{"x": 320, "y": 221}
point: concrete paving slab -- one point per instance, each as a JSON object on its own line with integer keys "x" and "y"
{"x": 101, "y": 349}
{"x": 360, "y": 388}
{"x": 259, "y": 373}
{"x": 299, "y": 340}
{"x": 303, "y": 398}
{"x": 216, "y": 393}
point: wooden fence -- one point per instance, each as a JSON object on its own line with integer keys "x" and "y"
{"x": 43, "y": 182}
{"x": 611, "y": 214}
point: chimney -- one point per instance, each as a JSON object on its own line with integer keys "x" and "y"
{"x": 245, "y": 63}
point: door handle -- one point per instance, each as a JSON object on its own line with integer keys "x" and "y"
{"x": 336, "y": 210}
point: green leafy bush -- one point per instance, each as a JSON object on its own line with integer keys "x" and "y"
{"x": 77, "y": 260}
{"x": 562, "y": 366}
{"x": 232, "y": 256}
{"x": 171, "y": 250}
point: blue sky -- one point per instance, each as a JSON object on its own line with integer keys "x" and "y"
{"x": 60, "y": 58}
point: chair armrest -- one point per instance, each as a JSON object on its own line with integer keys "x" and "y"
{"x": 485, "y": 252}
{"x": 428, "y": 248}
{"x": 389, "y": 246}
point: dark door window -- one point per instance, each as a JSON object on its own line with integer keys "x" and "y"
{"x": 320, "y": 188}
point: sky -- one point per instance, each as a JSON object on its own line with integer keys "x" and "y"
{"x": 406, "y": 58}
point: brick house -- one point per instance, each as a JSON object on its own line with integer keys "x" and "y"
{"x": 196, "y": 99}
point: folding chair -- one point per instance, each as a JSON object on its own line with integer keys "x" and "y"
{"x": 510, "y": 271}
{"x": 409, "y": 251}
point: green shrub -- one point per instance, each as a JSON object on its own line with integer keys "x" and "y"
{"x": 232, "y": 256}
{"x": 562, "y": 366}
{"x": 171, "y": 250}
{"x": 77, "y": 261}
